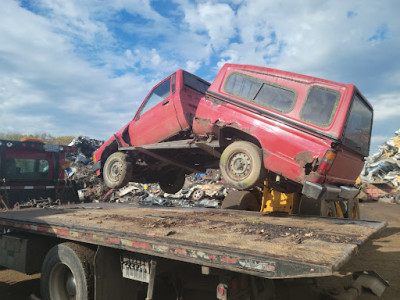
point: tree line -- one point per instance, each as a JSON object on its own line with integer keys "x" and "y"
{"x": 46, "y": 137}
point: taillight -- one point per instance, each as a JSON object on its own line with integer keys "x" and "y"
{"x": 327, "y": 162}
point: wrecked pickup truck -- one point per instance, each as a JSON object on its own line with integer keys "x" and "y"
{"x": 301, "y": 134}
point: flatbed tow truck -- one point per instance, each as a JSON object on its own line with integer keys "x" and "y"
{"x": 110, "y": 251}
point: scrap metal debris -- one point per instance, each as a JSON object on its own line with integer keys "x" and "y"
{"x": 380, "y": 176}
{"x": 200, "y": 189}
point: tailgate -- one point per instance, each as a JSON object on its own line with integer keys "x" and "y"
{"x": 346, "y": 167}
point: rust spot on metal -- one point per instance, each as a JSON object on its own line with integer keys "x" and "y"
{"x": 307, "y": 162}
{"x": 202, "y": 122}
{"x": 214, "y": 101}
{"x": 235, "y": 125}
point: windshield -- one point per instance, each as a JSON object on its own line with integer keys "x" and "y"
{"x": 195, "y": 83}
{"x": 357, "y": 134}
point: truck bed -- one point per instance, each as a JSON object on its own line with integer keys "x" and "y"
{"x": 268, "y": 246}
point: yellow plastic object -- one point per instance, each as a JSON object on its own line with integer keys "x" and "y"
{"x": 339, "y": 211}
{"x": 274, "y": 201}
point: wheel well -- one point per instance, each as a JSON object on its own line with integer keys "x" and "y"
{"x": 228, "y": 135}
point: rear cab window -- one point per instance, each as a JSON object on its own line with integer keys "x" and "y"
{"x": 26, "y": 168}
{"x": 263, "y": 93}
{"x": 195, "y": 83}
{"x": 357, "y": 133}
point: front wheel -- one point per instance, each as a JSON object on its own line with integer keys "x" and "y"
{"x": 67, "y": 273}
{"x": 117, "y": 171}
{"x": 241, "y": 165}
{"x": 172, "y": 182}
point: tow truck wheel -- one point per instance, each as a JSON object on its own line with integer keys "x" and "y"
{"x": 353, "y": 209}
{"x": 241, "y": 165}
{"x": 172, "y": 181}
{"x": 117, "y": 171}
{"x": 242, "y": 200}
{"x": 67, "y": 273}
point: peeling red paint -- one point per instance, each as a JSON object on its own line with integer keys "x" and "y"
{"x": 141, "y": 245}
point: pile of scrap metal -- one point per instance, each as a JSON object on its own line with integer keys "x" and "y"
{"x": 88, "y": 185}
{"x": 380, "y": 178}
{"x": 200, "y": 190}
{"x": 203, "y": 190}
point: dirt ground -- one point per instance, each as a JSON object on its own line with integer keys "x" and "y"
{"x": 381, "y": 255}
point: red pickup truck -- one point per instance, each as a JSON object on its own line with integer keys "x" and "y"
{"x": 301, "y": 133}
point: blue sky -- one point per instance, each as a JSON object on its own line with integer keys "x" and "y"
{"x": 83, "y": 67}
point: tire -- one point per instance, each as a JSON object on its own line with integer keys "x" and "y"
{"x": 197, "y": 194}
{"x": 353, "y": 209}
{"x": 328, "y": 209}
{"x": 241, "y": 200}
{"x": 67, "y": 273}
{"x": 397, "y": 199}
{"x": 172, "y": 181}
{"x": 117, "y": 171}
{"x": 241, "y": 165}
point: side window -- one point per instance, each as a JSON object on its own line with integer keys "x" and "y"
{"x": 159, "y": 94}
{"x": 263, "y": 93}
{"x": 243, "y": 87}
{"x": 320, "y": 106}
{"x": 277, "y": 98}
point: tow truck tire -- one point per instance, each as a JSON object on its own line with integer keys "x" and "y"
{"x": 241, "y": 200}
{"x": 241, "y": 165}
{"x": 353, "y": 209}
{"x": 117, "y": 171}
{"x": 172, "y": 182}
{"x": 67, "y": 273}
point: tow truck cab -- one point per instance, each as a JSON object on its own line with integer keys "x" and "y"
{"x": 31, "y": 169}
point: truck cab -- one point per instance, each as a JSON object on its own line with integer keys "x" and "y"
{"x": 165, "y": 114}
{"x": 31, "y": 170}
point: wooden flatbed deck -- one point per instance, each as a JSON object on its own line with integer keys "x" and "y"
{"x": 248, "y": 242}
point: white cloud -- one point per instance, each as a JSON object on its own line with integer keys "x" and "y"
{"x": 386, "y": 106}
{"x": 215, "y": 19}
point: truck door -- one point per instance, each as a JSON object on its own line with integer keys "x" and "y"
{"x": 156, "y": 119}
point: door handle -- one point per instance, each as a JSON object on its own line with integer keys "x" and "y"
{"x": 165, "y": 102}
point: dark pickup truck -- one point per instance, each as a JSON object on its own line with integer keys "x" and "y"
{"x": 302, "y": 134}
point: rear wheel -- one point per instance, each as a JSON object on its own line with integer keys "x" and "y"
{"x": 117, "y": 171}
{"x": 241, "y": 165}
{"x": 67, "y": 273}
{"x": 242, "y": 200}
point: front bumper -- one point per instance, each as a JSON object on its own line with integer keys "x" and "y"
{"x": 327, "y": 192}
